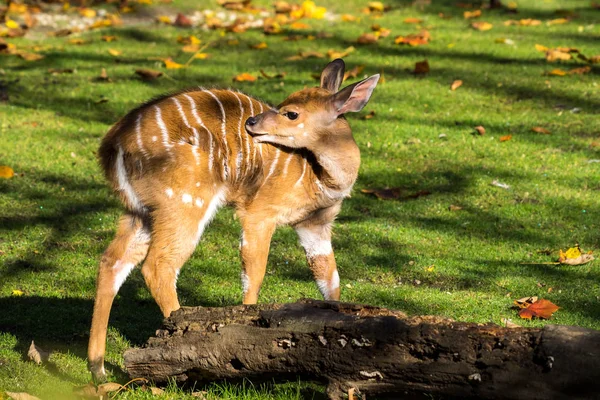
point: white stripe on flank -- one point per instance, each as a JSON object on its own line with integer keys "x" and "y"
{"x": 247, "y": 138}
{"x": 138, "y": 133}
{"x": 287, "y": 163}
{"x": 199, "y": 122}
{"x": 185, "y": 121}
{"x": 238, "y": 161}
{"x": 217, "y": 201}
{"x": 273, "y": 165}
{"x": 163, "y": 128}
{"x": 124, "y": 185}
{"x": 303, "y": 171}
{"x": 223, "y": 131}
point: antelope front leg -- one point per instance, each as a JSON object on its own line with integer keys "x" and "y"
{"x": 254, "y": 248}
{"x": 315, "y": 237}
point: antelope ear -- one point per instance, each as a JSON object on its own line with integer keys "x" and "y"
{"x": 333, "y": 75}
{"x": 354, "y": 97}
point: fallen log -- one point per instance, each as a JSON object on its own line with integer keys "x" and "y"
{"x": 373, "y": 350}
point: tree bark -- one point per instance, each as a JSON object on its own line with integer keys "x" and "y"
{"x": 372, "y": 349}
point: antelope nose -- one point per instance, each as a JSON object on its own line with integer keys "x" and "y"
{"x": 251, "y": 121}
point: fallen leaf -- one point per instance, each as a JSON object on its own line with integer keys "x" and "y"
{"x": 376, "y": 6}
{"x": 182, "y": 21}
{"x": 57, "y": 71}
{"x": 574, "y": 256}
{"x": 348, "y": 18}
{"x": 421, "y": 67}
{"x": 77, "y": 41}
{"x": 505, "y": 138}
{"x": 472, "y": 14}
{"x": 108, "y": 387}
{"x": 507, "y": 41}
{"x": 523, "y": 22}
{"x": 87, "y": 12}
{"x": 539, "y": 129}
{"x": 244, "y": 77}
{"x": 259, "y": 46}
{"x": 306, "y": 54}
{"x": 282, "y": 7}
{"x": 482, "y": 26}
{"x": 17, "y": 293}
{"x": 452, "y": 207}
{"x": 21, "y": 396}
{"x": 188, "y": 40}
{"x": 480, "y": 130}
{"x": 542, "y": 309}
{"x": 277, "y": 75}
{"x": 148, "y": 74}
{"x": 202, "y": 56}
{"x": 6, "y": 172}
{"x": 380, "y": 32}
{"x": 36, "y": 354}
{"x": 190, "y": 48}
{"x": 580, "y": 71}
{"x": 525, "y": 302}
{"x": 540, "y": 47}
{"x": 412, "y": 20}
{"x": 370, "y": 115}
{"x": 415, "y": 39}
{"x": 108, "y": 38}
{"x": 114, "y": 52}
{"x": 509, "y": 324}
{"x": 594, "y": 59}
{"x": 30, "y": 56}
{"x": 555, "y": 55}
{"x": 103, "y": 77}
{"x": 499, "y": 184}
{"x": 170, "y": 64}
{"x": 367, "y": 38}
{"x": 558, "y": 21}
{"x": 333, "y": 54}
{"x": 299, "y": 26}
{"x": 456, "y": 84}
{"x": 353, "y": 73}
{"x": 164, "y": 19}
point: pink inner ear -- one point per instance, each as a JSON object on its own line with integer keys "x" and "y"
{"x": 361, "y": 93}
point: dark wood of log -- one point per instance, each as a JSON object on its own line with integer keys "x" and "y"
{"x": 373, "y": 350}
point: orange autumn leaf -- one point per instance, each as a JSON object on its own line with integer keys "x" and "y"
{"x": 421, "y": 67}
{"x": 412, "y": 20}
{"x": 555, "y": 55}
{"x": 541, "y": 309}
{"x": 333, "y": 54}
{"x": 482, "y": 26}
{"x": 348, "y": 18}
{"x": 415, "y": 39}
{"x": 557, "y": 72}
{"x": 108, "y": 38}
{"x": 259, "y": 46}
{"x": 367, "y": 38}
{"x": 170, "y": 64}
{"x": 164, "y": 19}
{"x": 557, "y": 21}
{"x": 456, "y": 84}
{"x": 353, "y": 73}
{"x": 183, "y": 21}
{"x": 472, "y": 14}
{"x": 505, "y": 138}
{"x": 244, "y": 77}
{"x": 539, "y": 129}
{"x": 580, "y": 71}
{"x": 299, "y": 25}
{"x": 6, "y": 172}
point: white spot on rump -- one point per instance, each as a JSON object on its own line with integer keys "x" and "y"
{"x": 186, "y": 198}
{"x": 122, "y": 272}
{"x": 124, "y": 185}
{"x": 169, "y": 192}
{"x": 313, "y": 243}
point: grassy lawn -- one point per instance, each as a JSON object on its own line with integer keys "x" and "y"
{"x": 57, "y": 215}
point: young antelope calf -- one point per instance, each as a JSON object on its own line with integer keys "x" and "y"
{"x": 176, "y": 160}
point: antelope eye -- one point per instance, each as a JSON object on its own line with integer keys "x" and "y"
{"x": 291, "y": 115}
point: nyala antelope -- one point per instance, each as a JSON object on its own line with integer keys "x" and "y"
{"x": 176, "y": 160}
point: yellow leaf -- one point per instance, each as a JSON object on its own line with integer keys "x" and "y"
{"x": 190, "y": 48}
{"x": 30, "y": 56}
{"x": 472, "y": 14}
{"x": 170, "y": 64}
{"x": 244, "y": 77}
{"x": 108, "y": 38}
{"x": 17, "y": 292}
{"x": 164, "y": 19}
{"x": 482, "y": 26}
{"x": 202, "y": 56}
{"x": 87, "y": 12}
{"x": 572, "y": 252}
{"x": 540, "y": 47}
{"x": 333, "y": 54}
{"x": 188, "y": 40}
{"x": 259, "y": 46}
{"x": 77, "y": 41}
{"x": 10, "y": 24}
{"x": 299, "y": 25}
{"x": 376, "y": 6}
{"x": 348, "y": 18}
{"x": 114, "y": 53}
{"x": 557, "y": 21}
{"x": 557, "y": 72}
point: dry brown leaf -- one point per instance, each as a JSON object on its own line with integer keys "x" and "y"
{"x": 182, "y": 21}
{"x": 453, "y": 207}
{"x": 555, "y": 55}
{"x": 259, "y": 46}
{"x": 108, "y": 38}
{"x": 539, "y": 129}
{"x": 509, "y": 324}
{"x": 148, "y": 74}
{"x": 472, "y": 14}
{"x": 525, "y": 302}
{"x": 580, "y": 71}
{"x": 574, "y": 256}
{"x": 77, "y": 41}
{"x": 6, "y": 172}
{"x": 367, "y": 38}
{"x": 353, "y": 73}
{"x": 482, "y": 26}
{"x": 108, "y": 387}
{"x": 456, "y": 84}
{"x": 36, "y": 354}
{"x": 421, "y": 67}
{"x": 480, "y": 130}
{"x": 21, "y": 396}
{"x": 277, "y": 75}
{"x": 370, "y": 115}
{"x": 542, "y": 309}
{"x": 414, "y": 40}
{"x": 244, "y": 77}
{"x": 156, "y": 391}
{"x": 505, "y": 138}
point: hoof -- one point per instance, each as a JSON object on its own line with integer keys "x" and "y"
{"x": 98, "y": 371}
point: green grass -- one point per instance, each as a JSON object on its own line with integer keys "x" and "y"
{"x": 57, "y": 215}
